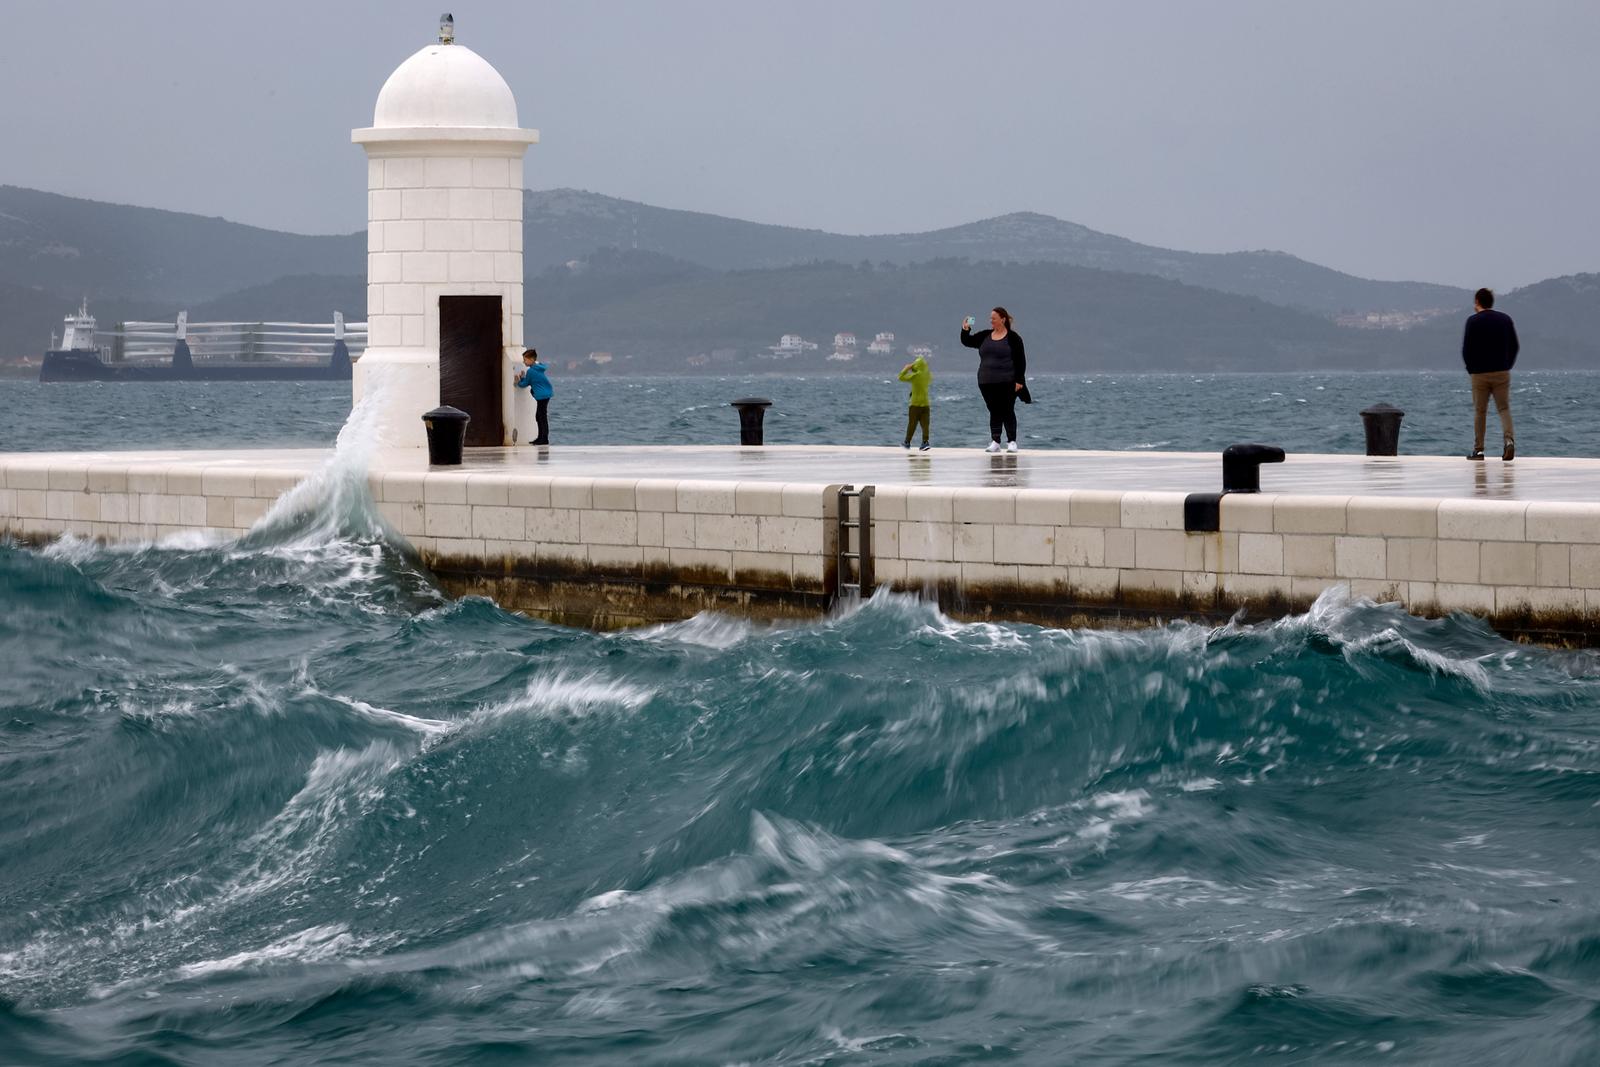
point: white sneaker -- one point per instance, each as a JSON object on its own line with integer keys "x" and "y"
{"x": 1012, "y": 447}
{"x": 994, "y": 446}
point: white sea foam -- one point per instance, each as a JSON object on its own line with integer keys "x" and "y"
{"x": 1468, "y": 841}
{"x": 836, "y": 1037}
{"x": 70, "y": 548}
{"x": 1114, "y": 810}
{"x": 771, "y": 897}
{"x": 334, "y": 499}
{"x": 1122, "y": 805}
{"x": 314, "y": 944}
{"x": 922, "y": 613}
{"x": 1177, "y": 890}
{"x": 1469, "y": 670}
{"x": 597, "y": 1004}
{"x": 286, "y": 851}
{"x": 314, "y": 517}
{"x": 429, "y": 728}
{"x": 708, "y": 629}
{"x": 177, "y": 919}
{"x": 188, "y": 541}
{"x": 564, "y": 694}
{"x": 162, "y": 712}
{"x": 1347, "y": 621}
{"x": 173, "y": 701}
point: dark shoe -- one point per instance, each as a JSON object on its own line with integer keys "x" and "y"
{"x": 1476, "y": 453}
{"x": 925, "y": 447}
{"x": 1510, "y": 453}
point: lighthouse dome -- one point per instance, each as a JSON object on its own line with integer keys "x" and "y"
{"x": 445, "y": 85}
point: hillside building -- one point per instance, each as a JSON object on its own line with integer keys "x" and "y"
{"x": 791, "y": 345}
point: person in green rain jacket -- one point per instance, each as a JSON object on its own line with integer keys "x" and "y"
{"x": 917, "y": 373}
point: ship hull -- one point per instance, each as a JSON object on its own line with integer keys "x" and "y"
{"x": 89, "y": 367}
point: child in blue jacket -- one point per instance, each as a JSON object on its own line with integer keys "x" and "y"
{"x": 533, "y": 377}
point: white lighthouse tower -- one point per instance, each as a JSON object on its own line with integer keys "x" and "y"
{"x": 444, "y": 248}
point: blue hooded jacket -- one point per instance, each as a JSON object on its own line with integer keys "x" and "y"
{"x": 534, "y": 377}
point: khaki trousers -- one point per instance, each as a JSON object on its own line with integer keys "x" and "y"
{"x": 917, "y": 416}
{"x": 1498, "y": 385}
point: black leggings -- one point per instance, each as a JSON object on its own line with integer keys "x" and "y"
{"x": 541, "y": 417}
{"x": 1002, "y": 400}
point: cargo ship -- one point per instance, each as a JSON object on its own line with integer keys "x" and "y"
{"x": 221, "y": 351}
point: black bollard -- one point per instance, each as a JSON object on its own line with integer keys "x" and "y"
{"x": 1241, "y": 466}
{"x": 752, "y": 410}
{"x": 447, "y": 430}
{"x": 1241, "y": 473}
{"x": 1382, "y": 423}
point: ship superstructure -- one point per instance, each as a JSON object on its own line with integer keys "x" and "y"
{"x": 77, "y": 331}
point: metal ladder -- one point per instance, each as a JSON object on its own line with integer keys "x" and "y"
{"x": 862, "y": 556}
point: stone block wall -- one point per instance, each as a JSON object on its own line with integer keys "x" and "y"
{"x": 634, "y": 549}
{"x": 444, "y": 223}
{"x": 1528, "y": 566}
{"x": 116, "y": 502}
{"x": 737, "y": 533}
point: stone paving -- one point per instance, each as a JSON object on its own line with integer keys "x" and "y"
{"x": 1436, "y": 477}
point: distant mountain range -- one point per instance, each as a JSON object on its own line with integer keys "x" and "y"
{"x": 564, "y": 224}
{"x": 1074, "y": 317}
{"x": 663, "y": 285}
{"x": 1558, "y": 323}
{"x": 74, "y": 247}
{"x": 61, "y": 243}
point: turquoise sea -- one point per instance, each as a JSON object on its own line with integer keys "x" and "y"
{"x": 1558, "y": 413}
{"x": 280, "y": 801}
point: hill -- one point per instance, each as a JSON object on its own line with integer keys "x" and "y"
{"x": 295, "y": 298}
{"x": 73, "y": 246}
{"x": 660, "y": 311}
{"x": 699, "y": 283}
{"x": 1073, "y": 317}
{"x": 1558, "y": 325}
{"x": 85, "y": 247}
{"x": 564, "y": 224}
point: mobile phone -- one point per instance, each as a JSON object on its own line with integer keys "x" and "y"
{"x": 969, "y": 322}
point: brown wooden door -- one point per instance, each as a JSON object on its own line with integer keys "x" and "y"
{"x": 470, "y": 358}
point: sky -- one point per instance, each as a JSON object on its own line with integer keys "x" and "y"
{"x": 1452, "y": 141}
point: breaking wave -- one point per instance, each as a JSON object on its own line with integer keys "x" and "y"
{"x": 280, "y": 792}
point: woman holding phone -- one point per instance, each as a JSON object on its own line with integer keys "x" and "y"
{"x": 1002, "y": 366}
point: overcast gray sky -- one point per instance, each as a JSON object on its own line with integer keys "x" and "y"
{"x": 1442, "y": 140}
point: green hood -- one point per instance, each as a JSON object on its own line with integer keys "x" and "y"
{"x": 919, "y": 376}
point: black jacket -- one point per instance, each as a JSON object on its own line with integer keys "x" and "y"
{"x": 1019, "y": 355}
{"x": 1489, "y": 342}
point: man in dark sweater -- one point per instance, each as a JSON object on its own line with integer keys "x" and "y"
{"x": 1489, "y": 349}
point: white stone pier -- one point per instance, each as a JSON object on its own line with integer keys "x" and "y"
{"x": 619, "y": 535}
